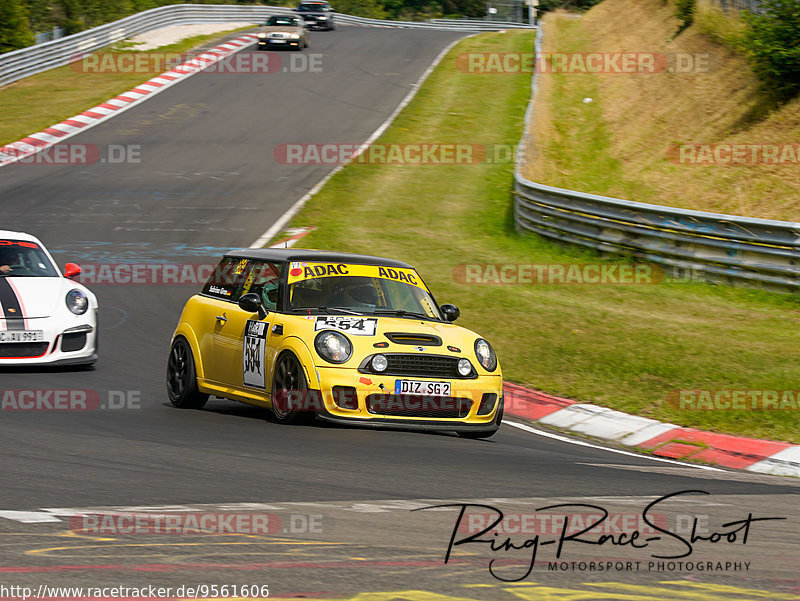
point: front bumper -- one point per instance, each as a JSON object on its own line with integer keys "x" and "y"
{"x": 461, "y": 410}
{"x": 278, "y": 43}
{"x": 413, "y": 424}
{"x": 61, "y": 344}
{"x": 312, "y": 21}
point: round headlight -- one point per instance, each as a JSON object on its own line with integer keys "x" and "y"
{"x": 333, "y": 346}
{"x": 464, "y": 367}
{"x": 380, "y": 363}
{"x": 77, "y": 302}
{"x": 485, "y": 354}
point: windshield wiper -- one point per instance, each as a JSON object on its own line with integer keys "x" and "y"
{"x": 339, "y": 309}
{"x": 401, "y": 313}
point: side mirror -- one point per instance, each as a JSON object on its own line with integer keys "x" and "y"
{"x": 451, "y": 312}
{"x": 71, "y": 270}
{"x": 252, "y": 304}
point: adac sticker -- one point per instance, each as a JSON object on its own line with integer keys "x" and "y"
{"x": 306, "y": 271}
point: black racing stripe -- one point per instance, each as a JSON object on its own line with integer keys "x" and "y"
{"x": 12, "y": 310}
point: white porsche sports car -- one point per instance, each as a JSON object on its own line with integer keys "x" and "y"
{"x": 45, "y": 317}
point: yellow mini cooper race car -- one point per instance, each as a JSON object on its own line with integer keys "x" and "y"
{"x": 341, "y": 337}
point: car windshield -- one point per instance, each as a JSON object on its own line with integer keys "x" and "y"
{"x": 20, "y": 258}
{"x": 281, "y": 22}
{"x": 311, "y": 8}
{"x": 319, "y": 288}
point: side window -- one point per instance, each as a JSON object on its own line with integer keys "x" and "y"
{"x": 263, "y": 279}
{"x": 227, "y": 280}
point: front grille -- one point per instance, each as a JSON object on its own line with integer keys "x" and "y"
{"x": 279, "y": 36}
{"x": 417, "y": 365}
{"x": 22, "y": 349}
{"x": 73, "y": 342}
{"x": 345, "y": 397}
{"x": 487, "y": 403}
{"x": 411, "y": 405}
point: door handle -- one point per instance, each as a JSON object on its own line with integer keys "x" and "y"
{"x": 223, "y": 318}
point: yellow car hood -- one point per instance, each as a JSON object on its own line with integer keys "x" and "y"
{"x": 398, "y": 333}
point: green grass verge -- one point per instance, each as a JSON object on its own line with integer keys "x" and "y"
{"x": 37, "y": 102}
{"x": 622, "y": 346}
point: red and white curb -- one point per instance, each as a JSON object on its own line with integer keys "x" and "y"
{"x": 657, "y": 438}
{"x": 59, "y": 132}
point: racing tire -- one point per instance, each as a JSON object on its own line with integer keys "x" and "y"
{"x": 288, "y": 376}
{"x": 182, "y": 377}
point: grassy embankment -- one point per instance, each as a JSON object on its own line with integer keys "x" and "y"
{"x": 621, "y": 346}
{"x": 619, "y": 144}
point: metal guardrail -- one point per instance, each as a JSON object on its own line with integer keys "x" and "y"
{"x": 482, "y": 24}
{"x": 689, "y": 244}
{"x": 21, "y": 63}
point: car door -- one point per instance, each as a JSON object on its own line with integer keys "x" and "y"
{"x": 242, "y": 347}
{"x": 214, "y": 307}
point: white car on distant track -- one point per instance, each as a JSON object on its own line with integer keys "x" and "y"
{"x": 45, "y": 317}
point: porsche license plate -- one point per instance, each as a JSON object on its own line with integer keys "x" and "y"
{"x": 22, "y": 336}
{"x": 422, "y": 388}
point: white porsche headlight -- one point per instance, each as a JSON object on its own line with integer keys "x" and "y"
{"x": 77, "y": 302}
{"x": 294, "y": 36}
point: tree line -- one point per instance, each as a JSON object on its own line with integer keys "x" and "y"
{"x": 20, "y": 20}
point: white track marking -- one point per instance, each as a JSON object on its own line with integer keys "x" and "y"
{"x": 582, "y": 443}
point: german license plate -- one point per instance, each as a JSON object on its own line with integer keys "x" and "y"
{"x": 22, "y": 336}
{"x": 278, "y": 41}
{"x": 422, "y": 388}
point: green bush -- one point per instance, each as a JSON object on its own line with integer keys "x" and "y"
{"x": 14, "y": 30}
{"x": 684, "y": 10}
{"x": 772, "y": 41}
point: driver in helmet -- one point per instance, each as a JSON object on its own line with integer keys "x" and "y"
{"x": 355, "y": 292}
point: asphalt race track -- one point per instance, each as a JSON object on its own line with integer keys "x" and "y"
{"x": 338, "y": 500}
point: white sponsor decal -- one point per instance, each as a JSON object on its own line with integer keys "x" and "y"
{"x": 358, "y": 326}
{"x": 255, "y": 343}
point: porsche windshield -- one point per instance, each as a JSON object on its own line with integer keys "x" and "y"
{"x": 311, "y": 8}
{"x": 20, "y": 258}
{"x": 359, "y": 290}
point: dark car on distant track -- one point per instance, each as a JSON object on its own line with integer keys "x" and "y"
{"x": 317, "y": 14}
